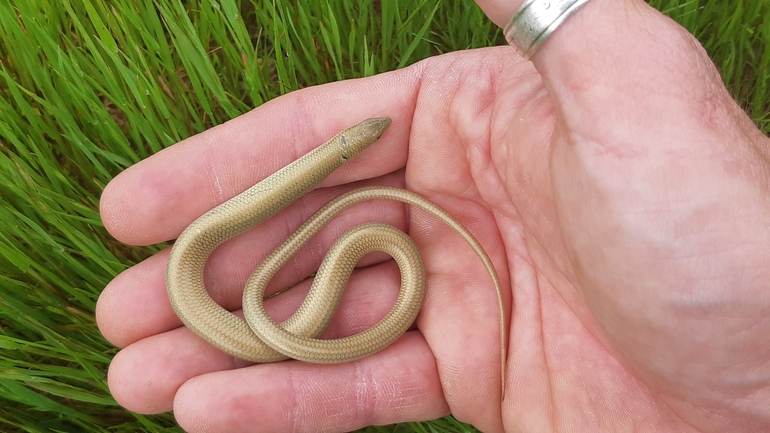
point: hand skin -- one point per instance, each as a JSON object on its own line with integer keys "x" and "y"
{"x": 621, "y": 193}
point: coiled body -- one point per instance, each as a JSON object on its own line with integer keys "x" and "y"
{"x": 258, "y": 338}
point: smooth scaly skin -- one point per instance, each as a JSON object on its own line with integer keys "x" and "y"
{"x": 261, "y": 340}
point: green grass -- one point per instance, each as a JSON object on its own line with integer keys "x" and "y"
{"x": 89, "y": 87}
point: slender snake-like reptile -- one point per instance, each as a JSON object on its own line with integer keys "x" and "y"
{"x": 259, "y": 338}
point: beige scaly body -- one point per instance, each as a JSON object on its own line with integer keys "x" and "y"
{"x": 261, "y": 340}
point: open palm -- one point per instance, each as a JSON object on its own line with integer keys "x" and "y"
{"x": 624, "y": 208}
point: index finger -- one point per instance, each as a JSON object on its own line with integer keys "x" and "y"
{"x": 155, "y": 199}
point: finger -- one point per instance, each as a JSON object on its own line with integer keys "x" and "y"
{"x": 135, "y": 304}
{"x": 398, "y": 384}
{"x": 621, "y": 65}
{"x": 145, "y": 376}
{"x": 499, "y": 11}
{"x": 155, "y": 199}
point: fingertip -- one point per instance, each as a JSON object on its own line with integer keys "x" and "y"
{"x": 136, "y": 205}
{"x": 134, "y": 305}
{"x": 145, "y": 376}
{"x": 106, "y": 305}
{"x": 109, "y": 210}
{"x": 133, "y": 387}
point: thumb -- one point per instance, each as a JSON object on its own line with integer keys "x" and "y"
{"x": 615, "y": 60}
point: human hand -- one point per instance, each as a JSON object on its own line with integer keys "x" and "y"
{"x": 647, "y": 213}
{"x": 165, "y": 367}
{"x": 608, "y": 277}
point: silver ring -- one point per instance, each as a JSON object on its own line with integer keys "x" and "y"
{"x": 535, "y": 21}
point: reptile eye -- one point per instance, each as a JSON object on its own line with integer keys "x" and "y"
{"x": 345, "y": 157}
